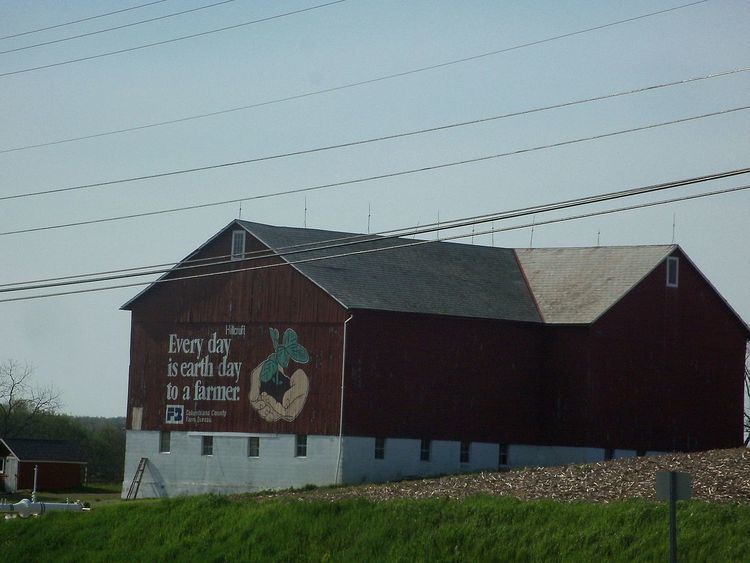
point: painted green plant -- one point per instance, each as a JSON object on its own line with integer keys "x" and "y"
{"x": 288, "y": 349}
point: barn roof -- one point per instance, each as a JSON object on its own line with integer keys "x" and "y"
{"x": 413, "y": 276}
{"x": 548, "y": 285}
{"x": 578, "y": 285}
{"x": 43, "y": 450}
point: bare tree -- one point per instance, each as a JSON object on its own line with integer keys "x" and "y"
{"x": 21, "y": 402}
{"x": 747, "y": 396}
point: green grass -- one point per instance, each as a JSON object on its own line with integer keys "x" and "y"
{"x": 211, "y": 528}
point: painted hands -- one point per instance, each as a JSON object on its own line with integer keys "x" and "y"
{"x": 291, "y": 403}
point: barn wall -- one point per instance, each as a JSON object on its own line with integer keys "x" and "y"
{"x": 402, "y": 459}
{"x": 526, "y": 455}
{"x": 239, "y": 309}
{"x": 662, "y": 370}
{"x": 229, "y": 470}
{"x": 184, "y": 470}
{"x": 438, "y": 378}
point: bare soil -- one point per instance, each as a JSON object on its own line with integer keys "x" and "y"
{"x": 717, "y": 476}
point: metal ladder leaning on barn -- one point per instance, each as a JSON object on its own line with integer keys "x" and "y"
{"x": 136, "y": 483}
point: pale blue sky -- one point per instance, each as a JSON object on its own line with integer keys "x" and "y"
{"x": 81, "y": 343}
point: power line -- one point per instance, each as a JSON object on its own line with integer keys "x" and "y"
{"x": 370, "y": 178}
{"x": 132, "y": 24}
{"x": 173, "y": 40}
{"x": 360, "y": 238}
{"x": 353, "y": 240}
{"x": 339, "y": 87}
{"x": 383, "y": 249}
{"x": 373, "y": 139}
{"x": 82, "y": 20}
{"x": 169, "y": 265}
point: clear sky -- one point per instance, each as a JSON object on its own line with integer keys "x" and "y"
{"x": 81, "y": 343}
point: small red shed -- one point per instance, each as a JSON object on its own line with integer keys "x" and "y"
{"x": 61, "y": 464}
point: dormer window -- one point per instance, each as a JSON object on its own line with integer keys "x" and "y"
{"x": 238, "y": 245}
{"x": 673, "y": 271}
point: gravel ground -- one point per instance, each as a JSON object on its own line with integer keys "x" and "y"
{"x": 718, "y": 476}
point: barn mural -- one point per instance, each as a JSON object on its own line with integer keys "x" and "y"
{"x": 274, "y": 394}
{"x": 228, "y": 376}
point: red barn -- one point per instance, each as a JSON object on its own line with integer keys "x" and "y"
{"x": 61, "y": 464}
{"x": 330, "y": 357}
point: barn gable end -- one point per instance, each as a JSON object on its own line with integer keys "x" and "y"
{"x": 660, "y": 369}
{"x": 241, "y": 309}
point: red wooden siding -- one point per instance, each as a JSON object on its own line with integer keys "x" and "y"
{"x": 278, "y": 297}
{"x": 51, "y": 476}
{"x": 662, "y": 370}
{"x": 417, "y": 376}
{"x": 273, "y": 294}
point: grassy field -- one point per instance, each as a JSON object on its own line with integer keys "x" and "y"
{"x": 210, "y": 528}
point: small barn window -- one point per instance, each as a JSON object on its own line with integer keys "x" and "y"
{"x": 164, "y": 442}
{"x": 2, "y": 465}
{"x": 379, "y": 448}
{"x": 465, "y": 447}
{"x": 253, "y": 446}
{"x": 301, "y": 445}
{"x": 207, "y": 445}
{"x": 238, "y": 245}
{"x": 502, "y": 456}
{"x": 424, "y": 450}
{"x": 673, "y": 271}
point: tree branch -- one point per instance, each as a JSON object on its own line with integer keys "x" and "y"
{"x": 21, "y": 403}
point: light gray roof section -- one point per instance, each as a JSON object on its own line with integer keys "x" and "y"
{"x": 578, "y": 285}
{"x": 437, "y": 278}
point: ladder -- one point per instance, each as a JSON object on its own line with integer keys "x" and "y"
{"x": 136, "y": 483}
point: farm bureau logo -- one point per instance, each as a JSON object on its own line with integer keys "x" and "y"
{"x": 273, "y": 393}
{"x": 175, "y": 414}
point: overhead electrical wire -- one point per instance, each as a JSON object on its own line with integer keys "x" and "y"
{"x": 341, "y": 86}
{"x": 385, "y": 249}
{"x": 352, "y": 240}
{"x": 370, "y": 178}
{"x": 372, "y": 139}
{"x": 173, "y": 40}
{"x": 115, "y": 28}
{"x": 89, "y": 18}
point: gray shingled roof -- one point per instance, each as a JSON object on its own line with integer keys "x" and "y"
{"x": 437, "y": 278}
{"x": 569, "y": 285}
{"x": 44, "y": 450}
{"x": 578, "y": 285}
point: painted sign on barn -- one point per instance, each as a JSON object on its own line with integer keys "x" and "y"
{"x": 274, "y": 394}
{"x": 211, "y": 369}
{"x": 250, "y": 376}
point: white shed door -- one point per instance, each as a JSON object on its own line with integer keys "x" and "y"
{"x": 11, "y": 474}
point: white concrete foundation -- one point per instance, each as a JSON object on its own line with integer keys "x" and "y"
{"x": 402, "y": 459}
{"x": 543, "y": 456}
{"x": 229, "y": 469}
